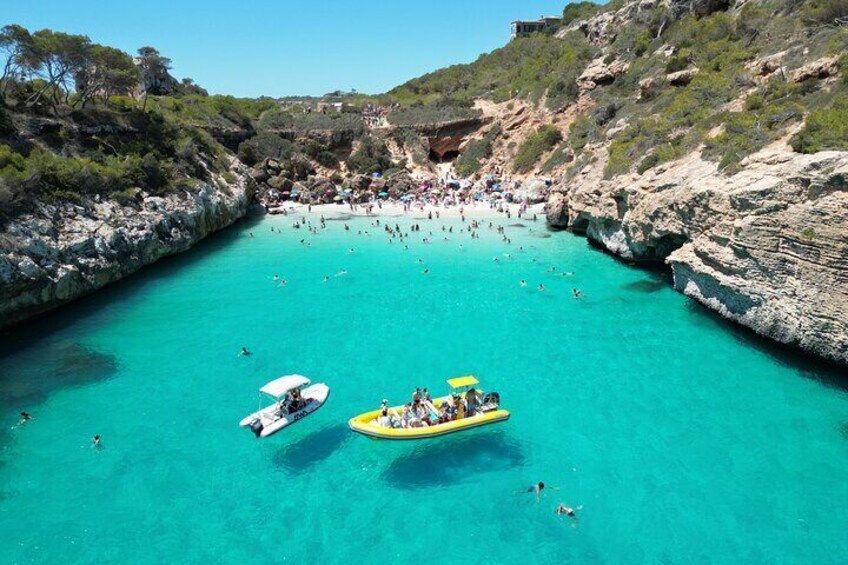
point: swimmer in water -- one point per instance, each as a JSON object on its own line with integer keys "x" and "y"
{"x": 541, "y": 287}
{"x": 351, "y": 250}
{"x": 537, "y": 490}
{"x": 576, "y": 293}
{"x": 426, "y": 271}
{"x": 25, "y": 417}
{"x": 95, "y": 442}
{"x": 341, "y": 273}
{"x": 244, "y": 351}
{"x": 523, "y": 283}
{"x": 495, "y": 259}
{"x": 284, "y": 282}
{"x": 564, "y": 510}
{"x": 420, "y": 261}
{"x": 326, "y": 278}
{"x": 276, "y": 277}
{"x": 251, "y": 234}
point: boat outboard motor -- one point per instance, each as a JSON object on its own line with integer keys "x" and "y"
{"x": 492, "y": 397}
{"x": 256, "y": 427}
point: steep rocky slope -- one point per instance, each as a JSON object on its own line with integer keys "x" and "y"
{"x": 56, "y": 253}
{"x": 763, "y": 242}
{"x": 766, "y": 247}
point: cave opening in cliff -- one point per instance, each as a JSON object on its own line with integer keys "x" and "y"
{"x": 446, "y": 157}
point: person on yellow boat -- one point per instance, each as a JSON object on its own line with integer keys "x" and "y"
{"x": 472, "y": 401}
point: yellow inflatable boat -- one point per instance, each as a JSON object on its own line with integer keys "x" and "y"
{"x": 373, "y": 424}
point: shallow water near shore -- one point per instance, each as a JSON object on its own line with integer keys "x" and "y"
{"x": 682, "y": 439}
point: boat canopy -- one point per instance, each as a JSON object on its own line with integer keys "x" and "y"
{"x": 459, "y": 382}
{"x": 279, "y": 387}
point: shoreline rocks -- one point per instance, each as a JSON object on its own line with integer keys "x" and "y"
{"x": 766, "y": 247}
{"x": 58, "y": 253}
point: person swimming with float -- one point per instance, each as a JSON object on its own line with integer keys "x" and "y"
{"x": 25, "y": 417}
{"x": 244, "y": 351}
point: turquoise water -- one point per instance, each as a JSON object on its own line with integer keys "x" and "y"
{"x": 682, "y": 439}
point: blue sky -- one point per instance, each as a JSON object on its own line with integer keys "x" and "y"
{"x": 256, "y": 47}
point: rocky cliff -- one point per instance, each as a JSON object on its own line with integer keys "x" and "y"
{"x": 766, "y": 247}
{"x": 56, "y": 253}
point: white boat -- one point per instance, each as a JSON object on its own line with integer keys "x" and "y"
{"x": 282, "y": 413}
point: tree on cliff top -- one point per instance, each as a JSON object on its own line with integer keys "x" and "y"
{"x": 56, "y": 58}
{"x": 14, "y": 40}
{"x": 154, "y": 71}
{"x": 109, "y": 72}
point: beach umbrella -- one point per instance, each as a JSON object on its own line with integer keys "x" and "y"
{"x": 384, "y": 194}
{"x": 376, "y": 175}
{"x": 337, "y": 198}
{"x": 348, "y": 191}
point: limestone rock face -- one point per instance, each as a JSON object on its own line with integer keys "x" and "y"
{"x": 55, "y": 254}
{"x": 556, "y": 210}
{"x": 766, "y": 247}
{"x": 598, "y": 72}
{"x": 682, "y": 78}
{"x": 823, "y": 68}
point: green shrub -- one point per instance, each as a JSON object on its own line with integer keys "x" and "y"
{"x": 827, "y": 12}
{"x": 280, "y": 120}
{"x": 579, "y": 10}
{"x": 372, "y": 156}
{"x": 431, "y": 114}
{"x": 263, "y": 146}
{"x": 826, "y": 128}
{"x": 524, "y": 68}
{"x": 748, "y": 131}
{"x": 327, "y": 159}
{"x": 536, "y": 145}
{"x": 475, "y": 151}
{"x": 678, "y": 62}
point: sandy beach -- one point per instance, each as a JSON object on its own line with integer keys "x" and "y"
{"x": 394, "y": 209}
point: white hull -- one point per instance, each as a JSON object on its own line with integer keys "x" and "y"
{"x": 271, "y": 419}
